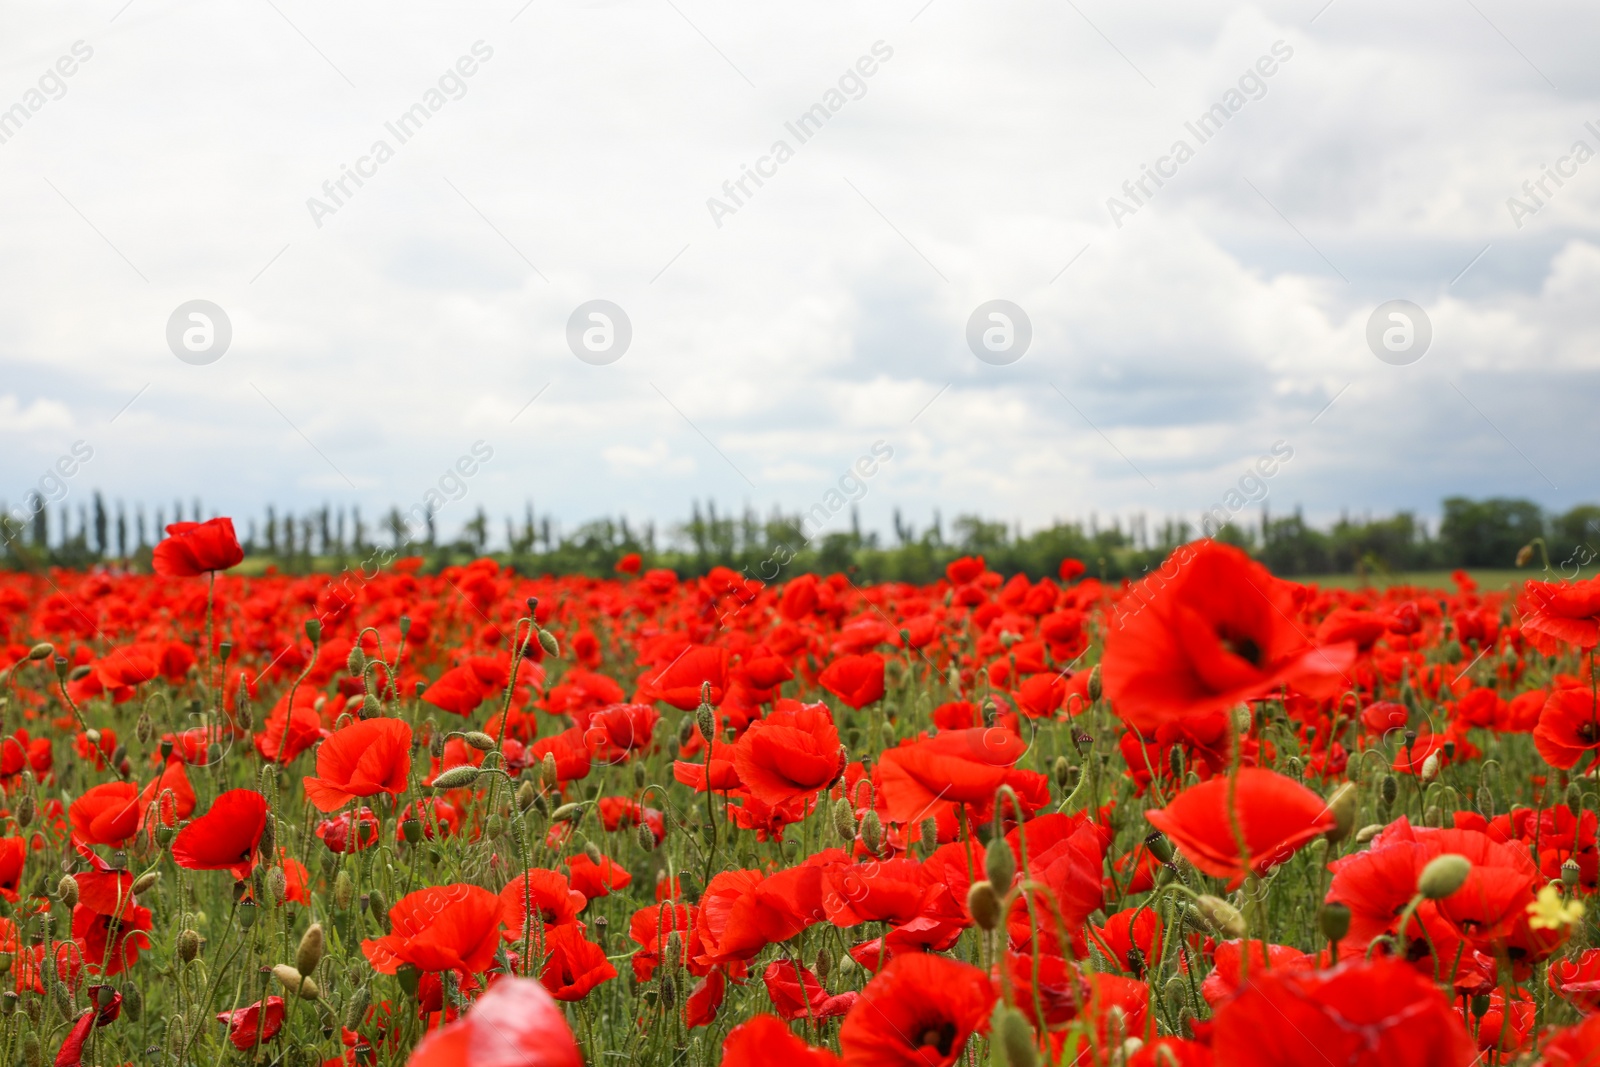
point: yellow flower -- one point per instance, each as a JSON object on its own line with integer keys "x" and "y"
{"x": 1550, "y": 912}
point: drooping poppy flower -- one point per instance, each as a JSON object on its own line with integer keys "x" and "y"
{"x": 793, "y": 752}
{"x": 958, "y": 766}
{"x": 195, "y": 548}
{"x": 1360, "y": 1014}
{"x": 1569, "y": 726}
{"x": 1213, "y": 629}
{"x": 762, "y": 1040}
{"x": 368, "y": 757}
{"x": 247, "y": 1028}
{"x": 107, "y": 814}
{"x": 440, "y": 928}
{"x": 71, "y": 1051}
{"x": 596, "y": 879}
{"x": 856, "y": 680}
{"x": 1276, "y": 817}
{"x": 515, "y": 1024}
{"x": 920, "y": 1009}
{"x": 112, "y": 941}
{"x": 796, "y": 993}
{"x": 226, "y": 837}
{"x": 574, "y": 965}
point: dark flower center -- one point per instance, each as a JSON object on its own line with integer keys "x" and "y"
{"x": 940, "y": 1037}
{"x": 1242, "y": 645}
{"x": 1589, "y": 733}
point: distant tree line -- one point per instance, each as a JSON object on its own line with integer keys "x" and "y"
{"x": 1471, "y": 533}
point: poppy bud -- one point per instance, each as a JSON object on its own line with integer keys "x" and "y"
{"x": 844, "y": 819}
{"x": 32, "y": 1051}
{"x": 526, "y": 794}
{"x": 456, "y": 777}
{"x": 1334, "y": 919}
{"x": 1159, "y": 847}
{"x": 493, "y": 825}
{"x": 277, "y": 886}
{"x": 1368, "y": 832}
{"x": 344, "y": 890}
{"x": 478, "y": 740}
{"x": 669, "y": 989}
{"x": 1000, "y": 865}
{"x": 408, "y": 976}
{"x": 404, "y": 622}
{"x": 706, "y": 720}
{"x": 132, "y": 1001}
{"x": 188, "y": 945}
{"x": 421, "y": 687}
{"x": 43, "y": 650}
{"x": 1570, "y": 873}
{"x": 1094, "y": 682}
{"x": 568, "y": 812}
{"x": 67, "y": 890}
{"x": 1388, "y": 790}
{"x": 309, "y": 954}
{"x": 1176, "y": 992}
{"x": 1574, "y": 799}
{"x": 1062, "y": 772}
{"x": 1486, "y": 802}
{"x": 646, "y": 839}
{"x": 1443, "y": 875}
{"x": 824, "y": 964}
{"x": 930, "y": 835}
{"x": 872, "y": 832}
{"x": 26, "y": 810}
{"x": 547, "y": 641}
{"x": 1342, "y": 805}
{"x": 145, "y": 882}
{"x": 295, "y": 982}
{"x": 1175, "y": 762}
{"x": 1221, "y": 916}
{"x": 1480, "y": 1005}
{"x": 314, "y": 630}
{"x": 983, "y": 904}
{"x": 1430, "y": 767}
{"x": 1433, "y": 817}
{"x": 549, "y": 773}
{"x": 1012, "y": 1042}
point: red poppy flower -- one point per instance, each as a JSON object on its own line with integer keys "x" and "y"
{"x": 793, "y": 752}
{"x": 1576, "y": 1046}
{"x": 112, "y": 941}
{"x": 1357, "y": 1014}
{"x": 1276, "y": 816}
{"x": 679, "y": 682}
{"x": 366, "y": 758}
{"x": 796, "y": 993}
{"x": 169, "y": 797}
{"x": 618, "y": 731}
{"x": 1228, "y": 974}
{"x": 920, "y": 1009}
{"x": 630, "y": 563}
{"x": 1501, "y": 1031}
{"x": 107, "y": 814}
{"x": 763, "y": 1040}
{"x": 596, "y": 879}
{"x": 1210, "y": 629}
{"x": 349, "y": 831}
{"x": 574, "y": 965}
{"x": 955, "y": 767}
{"x": 541, "y": 891}
{"x": 652, "y": 929}
{"x": 1568, "y": 727}
{"x": 441, "y": 928}
{"x": 287, "y": 733}
{"x": 247, "y": 1028}
{"x": 71, "y": 1052}
{"x": 1577, "y": 981}
{"x": 721, "y": 772}
{"x": 13, "y": 854}
{"x": 515, "y": 1024}
{"x": 226, "y": 837}
{"x": 856, "y": 680}
{"x": 194, "y": 548}
{"x": 1559, "y": 613}
{"x": 570, "y": 750}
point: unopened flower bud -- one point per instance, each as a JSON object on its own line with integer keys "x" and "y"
{"x": 1062, "y": 772}
{"x": 549, "y": 773}
{"x": 43, "y": 650}
{"x": 145, "y": 882}
{"x": 1000, "y": 865}
{"x": 1334, "y": 919}
{"x": 67, "y": 890}
{"x": 1221, "y": 916}
{"x": 26, "y": 809}
{"x": 706, "y": 721}
{"x": 456, "y": 777}
{"x": 295, "y": 982}
{"x": 872, "y": 832}
{"x": 1342, "y": 805}
{"x": 1430, "y": 767}
{"x": 1443, "y": 875}
{"x": 309, "y": 954}
{"x": 478, "y": 740}
{"x": 547, "y": 641}
{"x": 646, "y": 839}
{"x": 277, "y": 886}
{"x": 930, "y": 835}
{"x": 1011, "y": 1038}
{"x": 844, "y": 819}
{"x": 1094, "y": 682}
{"x": 188, "y": 945}
{"x": 1388, "y": 790}
{"x": 344, "y": 890}
{"x": 355, "y": 1009}
{"x": 983, "y": 904}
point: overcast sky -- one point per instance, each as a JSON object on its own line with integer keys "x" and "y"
{"x": 777, "y": 333}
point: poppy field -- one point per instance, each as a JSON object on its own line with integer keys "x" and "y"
{"x": 478, "y": 817}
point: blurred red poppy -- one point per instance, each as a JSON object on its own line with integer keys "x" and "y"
{"x": 763, "y": 1040}
{"x": 516, "y": 1023}
{"x": 856, "y": 680}
{"x": 920, "y": 1009}
{"x": 1276, "y": 816}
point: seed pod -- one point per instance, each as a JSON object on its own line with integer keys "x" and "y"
{"x": 309, "y": 954}
{"x": 547, "y": 641}
{"x": 1388, "y": 790}
{"x": 705, "y": 721}
{"x": 1012, "y": 1042}
{"x": 408, "y": 976}
{"x": 247, "y": 913}
{"x": 188, "y": 945}
{"x": 645, "y": 837}
{"x": 1000, "y": 865}
{"x": 930, "y": 835}
{"x": 1443, "y": 875}
{"x": 295, "y": 982}
{"x": 1160, "y": 847}
{"x": 43, "y": 650}
{"x": 983, "y": 904}
{"x": 1480, "y": 1005}
{"x": 549, "y": 773}
{"x": 456, "y": 777}
{"x": 26, "y": 809}
{"x": 277, "y": 886}
{"x": 1334, "y": 919}
{"x": 67, "y": 890}
{"x": 1094, "y": 683}
{"x": 844, "y": 819}
{"x": 344, "y": 891}
{"x": 872, "y": 832}
{"x": 1221, "y": 916}
{"x": 356, "y": 662}
{"x": 1570, "y": 873}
